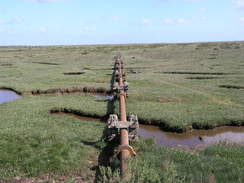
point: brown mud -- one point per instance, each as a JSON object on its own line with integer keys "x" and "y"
{"x": 11, "y": 89}
{"x": 199, "y": 73}
{"x": 203, "y": 78}
{"x": 45, "y": 63}
{"x": 79, "y": 114}
{"x": 74, "y": 89}
{"x": 231, "y": 87}
{"x": 213, "y": 54}
{"x": 74, "y": 73}
{"x": 6, "y": 64}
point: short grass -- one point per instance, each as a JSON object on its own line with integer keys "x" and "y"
{"x": 219, "y": 163}
{"x": 172, "y": 100}
{"x": 33, "y": 142}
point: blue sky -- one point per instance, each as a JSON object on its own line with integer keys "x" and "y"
{"x": 55, "y": 22}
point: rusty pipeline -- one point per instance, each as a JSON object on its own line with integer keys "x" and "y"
{"x": 124, "y": 139}
{"x": 126, "y": 129}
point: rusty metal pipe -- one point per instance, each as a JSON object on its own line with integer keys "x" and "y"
{"x": 124, "y": 138}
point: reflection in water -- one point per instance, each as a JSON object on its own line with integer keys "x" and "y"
{"x": 108, "y": 98}
{"x": 7, "y": 96}
{"x": 193, "y": 138}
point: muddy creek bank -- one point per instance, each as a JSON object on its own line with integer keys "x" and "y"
{"x": 191, "y": 139}
{"x": 194, "y": 138}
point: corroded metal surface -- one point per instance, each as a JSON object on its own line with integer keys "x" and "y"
{"x": 119, "y": 125}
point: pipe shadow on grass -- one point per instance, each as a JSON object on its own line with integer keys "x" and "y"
{"x": 107, "y": 149}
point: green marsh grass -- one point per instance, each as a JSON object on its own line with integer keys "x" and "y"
{"x": 33, "y": 142}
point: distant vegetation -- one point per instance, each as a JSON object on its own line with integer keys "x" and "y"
{"x": 175, "y": 86}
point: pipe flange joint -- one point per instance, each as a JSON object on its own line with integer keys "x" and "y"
{"x": 126, "y": 148}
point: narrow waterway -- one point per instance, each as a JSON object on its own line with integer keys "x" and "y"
{"x": 8, "y": 96}
{"x": 193, "y": 138}
{"x": 190, "y": 139}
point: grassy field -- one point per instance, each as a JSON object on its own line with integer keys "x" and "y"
{"x": 161, "y": 92}
{"x": 176, "y": 86}
{"x": 219, "y": 163}
{"x": 35, "y": 143}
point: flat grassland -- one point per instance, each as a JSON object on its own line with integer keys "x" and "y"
{"x": 175, "y": 86}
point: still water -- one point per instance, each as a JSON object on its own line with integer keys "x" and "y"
{"x": 7, "y": 96}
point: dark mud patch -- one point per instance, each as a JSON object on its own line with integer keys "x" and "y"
{"x": 8, "y": 96}
{"x": 203, "y": 78}
{"x": 139, "y": 68}
{"x": 45, "y": 63}
{"x": 78, "y": 114}
{"x": 74, "y": 73}
{"x": 134, "y": 72}
{"x": 213, "y": 54}
{"x": 83, "y": 116}
{"x": 6, "y": 65}
{"x": 10, "y": 89}
{"x": 74, "y": 89}
{"x": 232, "y": 87}
{"x": 227, "y": 46}
{"x": 212, "y": 58}
{"x": 198, "y": 73}
{"x": 102, "y": 69}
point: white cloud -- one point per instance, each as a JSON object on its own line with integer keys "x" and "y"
{"x": 240, "y": 4}
{"x": 17, "y": 20}
{"x": 116, "y": 18}
{"x": 12, "y": 21}
{"x": 88, "y": 29}
{"x": 147, "y": 21}
{"x": 202, "y": 19}
{"x": 169, "y": 21}
{"x": 194, "y": 20}
{"x": 183, "y": 21}
{"x": 2, "y": 30}
{"x": 43, "y": 29}
{"x": 3, "y": 10}
{"x": 203, "y": 9}
{"x": 242, "y": 19}
{"x": 177, "y": 21}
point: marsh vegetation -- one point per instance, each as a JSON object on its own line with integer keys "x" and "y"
{"x": 176, "y": 87}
